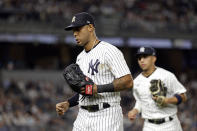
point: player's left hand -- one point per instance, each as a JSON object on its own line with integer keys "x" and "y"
{"x": 161, "y": 101}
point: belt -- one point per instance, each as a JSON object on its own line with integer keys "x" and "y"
{"x": 160, "y": 121}
{"x": 94, "y": 108}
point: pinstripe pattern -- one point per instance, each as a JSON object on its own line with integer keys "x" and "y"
{"x": 102, "y": 64}
{"x": 109, "y": 119}
{"x": 112, "y": 65}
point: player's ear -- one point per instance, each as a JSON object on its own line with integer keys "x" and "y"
{"x": 90, "y": 27}
{"x": 154, "y": 59}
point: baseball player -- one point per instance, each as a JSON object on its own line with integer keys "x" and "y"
{"x": 106, "y": 66}
{"x": 159, "y": 112}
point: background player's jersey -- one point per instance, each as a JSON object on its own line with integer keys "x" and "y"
{"x": 102, "y": 64}
{"x": 142, "y": 94}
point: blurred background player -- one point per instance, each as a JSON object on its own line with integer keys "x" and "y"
{"x": 164, "y": 117}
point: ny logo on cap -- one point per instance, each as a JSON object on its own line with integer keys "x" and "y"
{"x": 142, "y": 49}
{"x": 73, "y": 19}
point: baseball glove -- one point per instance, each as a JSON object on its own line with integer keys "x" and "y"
{"x": 159, "y": 91}
{"x": 77, "y": 80}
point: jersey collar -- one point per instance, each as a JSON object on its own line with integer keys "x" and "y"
{"x": 93, "y": 47}
{"x": 150, "y": 74}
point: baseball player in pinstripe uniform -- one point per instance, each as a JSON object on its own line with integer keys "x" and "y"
{"x": 106, "y": 66}
{"x": 156, "y": 118}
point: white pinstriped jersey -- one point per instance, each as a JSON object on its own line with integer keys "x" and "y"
{"x": 102, "y": 64}
{"x": 142, "y": 94}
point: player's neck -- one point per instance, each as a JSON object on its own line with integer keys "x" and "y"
{"x": 148, "y": 72}
{"x": 91, "y": 44}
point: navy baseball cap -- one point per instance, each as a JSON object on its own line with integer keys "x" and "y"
{"x": 146, "y": 51}
{"x": 80, "y": 19}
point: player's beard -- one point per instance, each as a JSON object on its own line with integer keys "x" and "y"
{"x": 146, "y": 68}
{"x": 150, "y": 69}
{"x": 80, "y": 43}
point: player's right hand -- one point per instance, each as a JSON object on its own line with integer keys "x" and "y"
{"x": 132, "y": 114}
{"x": 62, "y": 107}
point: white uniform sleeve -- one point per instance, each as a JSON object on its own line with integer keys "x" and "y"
{"x": 116, "y": 63}
{"x": 137, "y": 103}
{"x": 175, "y": 85}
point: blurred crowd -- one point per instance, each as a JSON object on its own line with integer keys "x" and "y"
{"x": 31, "y": 106}
{"x": 148, "y": 15}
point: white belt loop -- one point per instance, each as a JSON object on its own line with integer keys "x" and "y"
{"x": 146, "y": 120}
{"x": 167, "y": 119}
{"x": 100, "y": 106}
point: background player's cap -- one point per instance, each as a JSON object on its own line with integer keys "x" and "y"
{"x": 79, "y": 20}
{"x": 146, "y": 51}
